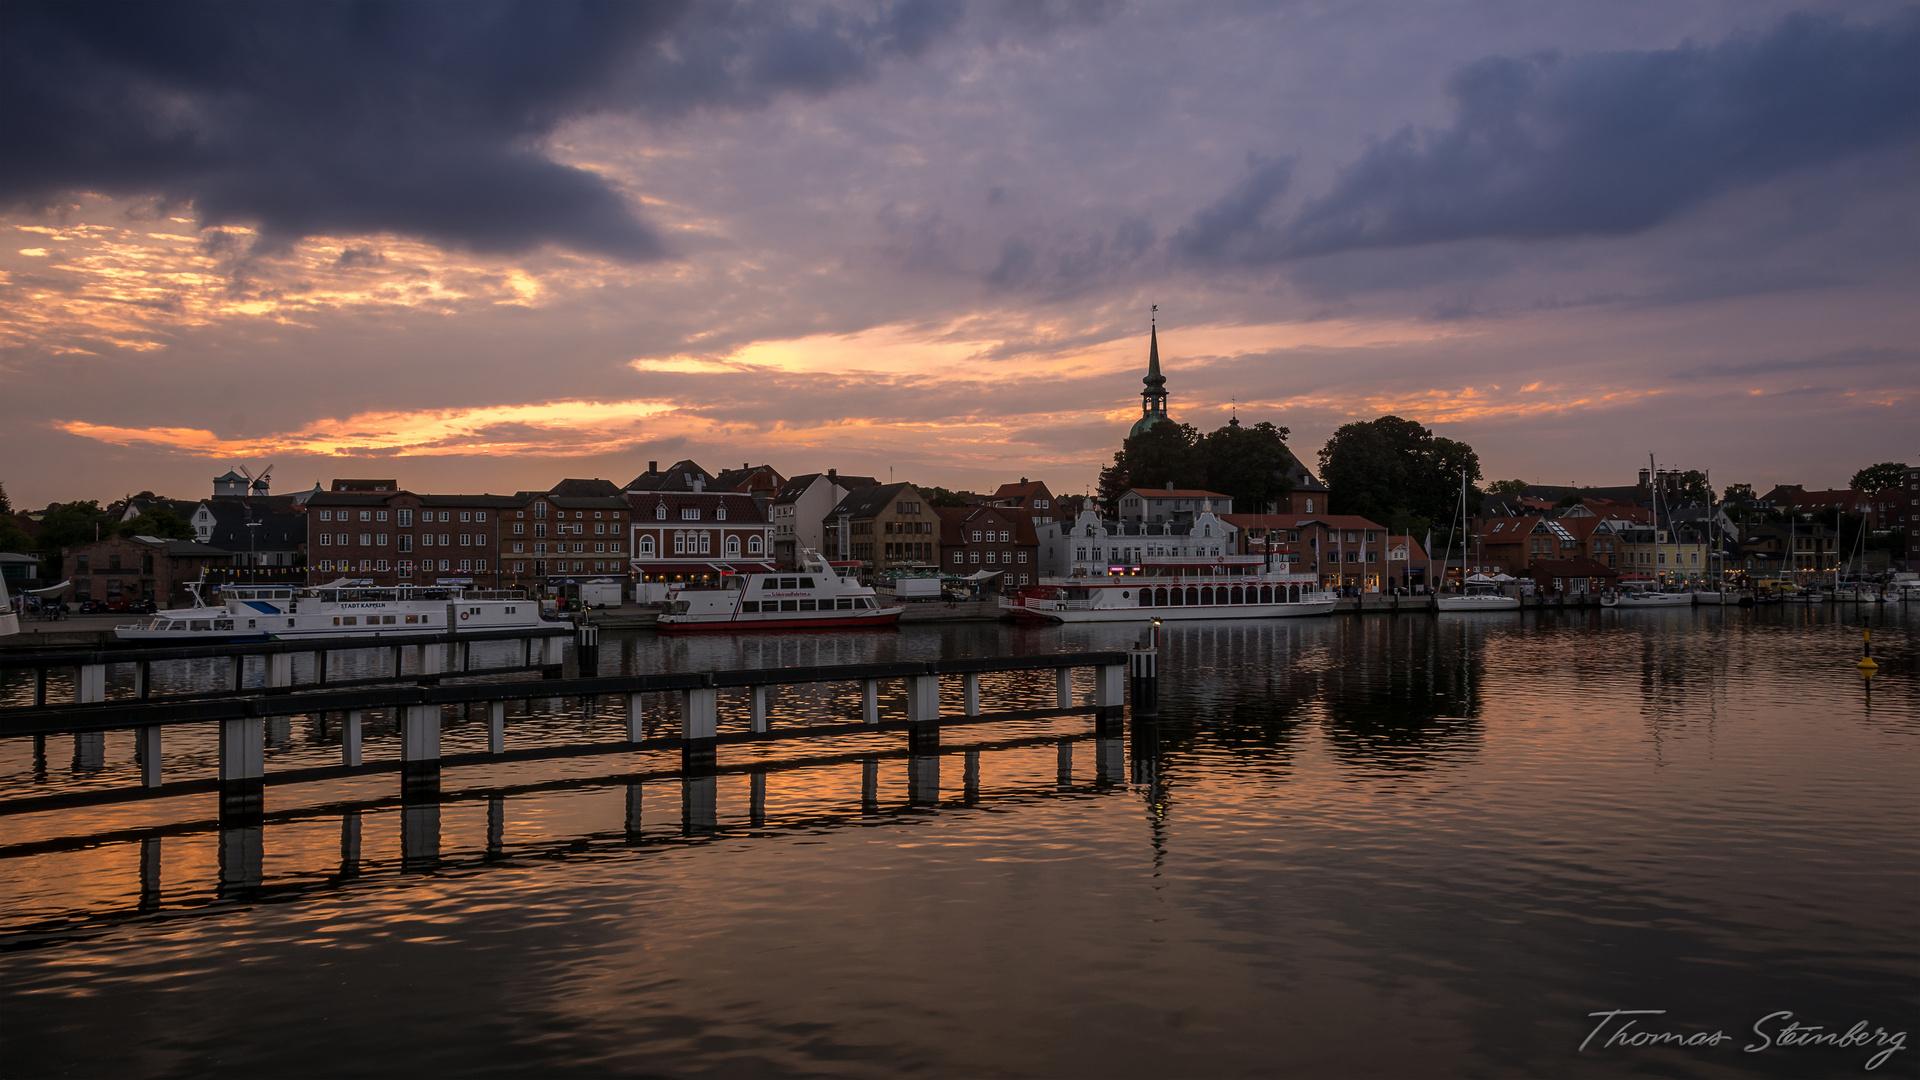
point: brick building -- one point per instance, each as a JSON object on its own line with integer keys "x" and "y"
{"x": 577, "y": 529}
{"x": 980, "y": 538}
{"x": 695, "y": 536}
{"x": 1029, "y": 495}
{"x": 396, "y": 537}
{"x": 122, "y": 570}
{"x": 888, "y": 527}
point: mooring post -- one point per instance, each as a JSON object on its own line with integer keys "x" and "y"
{"x": 39, "y": 687}
{"x": 420, "y": 741}
{"x": 430, "y": 658}
{"x": 1143, "y": 665}
{"x": 699, "y": 724}
{"x": 496, "y": 726}
{"x": 586, "y": 650}
{"x": 972, "y": 684}
{"x": 280, "y": 669}
{"x": 554, "y": 647}
{"x": 1109, "y": 689}
{"x": 869, "y": 701}
{"x": 758, "y": 707}
{"x": 923, "y": 699}
{"x": 350, "y": 736}
{"x": 1063, "y": 688}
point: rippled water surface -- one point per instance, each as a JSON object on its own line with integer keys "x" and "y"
{"x": 1381, "y": 845}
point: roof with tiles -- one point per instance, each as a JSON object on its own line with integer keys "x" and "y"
{"x": 741, "y": 509}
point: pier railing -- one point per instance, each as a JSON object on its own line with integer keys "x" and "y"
{"x": 420, "y": 708}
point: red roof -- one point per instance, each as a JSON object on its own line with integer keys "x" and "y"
{"x": 1175, "y": 493}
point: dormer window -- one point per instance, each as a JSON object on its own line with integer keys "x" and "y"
{"x": 720, "y": 514}
{"x": 689, "y": 513}
{"x": 660, "y": 512}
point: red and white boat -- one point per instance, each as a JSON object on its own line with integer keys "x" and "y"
{"x": 1226, "y": 595}
{"x": 814, "y": 597}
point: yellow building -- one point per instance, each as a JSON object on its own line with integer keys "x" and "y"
{"x": 1664, "y": 554}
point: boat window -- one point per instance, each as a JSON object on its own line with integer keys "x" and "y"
{"x": 807, "y": 605}
{"x": 251, "y": 624}
{"x": 202, "y": 624}
{"x": 750, "y": 607}
{"x": 789, "y": 605}
{"x": 806, "y": 583}
{"x": 223, "y": 624}
{"x": 789, "y": 583}
{"x": 289, "y": 622}
{"x": 845, "y": 603}
{"x": 866, "y": 601}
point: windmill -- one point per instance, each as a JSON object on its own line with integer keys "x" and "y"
{"x": 253, "y": 526}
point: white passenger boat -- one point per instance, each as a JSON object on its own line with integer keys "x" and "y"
{"x": 339, "y": 609}
{"x": 814, "y": 597}
{"x": 9, "y": 618}
{"x": 1477, "y": 598}
{"x": 1139, "y": 599}
{"x": 1641, "y": 594}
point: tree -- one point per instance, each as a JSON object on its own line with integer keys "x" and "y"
{"x": 1397, "y": 473}
{"x": 1571, "y": 498}
{"x": 939, "y": 496}
{"x": 68, "y": 524}
{"x": 1252, "y": 465}
{"x": 157, "y": 521}
{"x": 1887, "y": 474}
{"x": 6, "y": 504}
{"x": 1165, "y": 453}
{"x": 1689, "y": 485}
{"x": 1739, "y": 491}
{"x": 12, "y": 537}
{"x": 1507, "y": 487}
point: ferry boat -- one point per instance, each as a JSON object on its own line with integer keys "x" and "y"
{"x": 1139, "y": 599}
{"x": 342, "y": 608}
{"x": 814, "y": 597}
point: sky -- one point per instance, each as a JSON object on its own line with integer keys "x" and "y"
{"x": 484, "y": 247}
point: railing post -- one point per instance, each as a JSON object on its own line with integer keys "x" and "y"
{"x": 972, "y": 680}
{"x": 699, "y": 724}
{"x": 635, "y": 821}
{"x": 143, "y": 680}
{"x": 320, "y": 667}
{"x": 243, "y": 763}
{"x": 1063, "y": 688}
{"x": 280, "y": 669}
{"x": 496, "y": 726}
{"x": 699, "y": 804}
{"x": 757, "y": 798}
{"x": 870, "y": 701}
{"x": 636, "y": 717}
{"x": 239, "y": 670}
{"x": 420, "y": 740}
{"x": 146, "y": 747}
{"x": 1110, "y": 686}
{"x": 430, "y": 658}
{"x": 350, "y": 728}
{"x": 923, "y": 699}
{"x": 759, "y": 707}
{"x": 90, "y": 747}
{"x": 1064, "y": 766}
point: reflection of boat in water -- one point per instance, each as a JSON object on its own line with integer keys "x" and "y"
{"x": 339, "y": 609}
{"x": 1477, "y": 598}
{"x": 814, "y": 597}
{"x": 1640, "y": 594}
{"x": 1138, "y": 599}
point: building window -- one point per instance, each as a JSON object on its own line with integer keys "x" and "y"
{"x": 539, "y": 530}
{"x": 406, "y": 568}
{"x": 720, "y": 514}
{"x": 381, "y": 565}
{"x": 689, "y": 513}
{"x": 660, "y": 512}
{"x": 480, "y": 565}
{"x": 646, "y": 547}
{"x": 753, "y": 545}
{"x": 1023, "y": 559}
{"x": 540, "y": 510}
{"x": 379, "y": 515}
{"x": 466, "y": 566}
{"x": 976, "y": 557}
{"x": 326, "y": 539}
{"x": 366, "y": 539}
{"x": 733, "y": 547}
{"x": 327, "y": 515}
{"x": 679, "y": 543}
{"x": 519, "y": 567}
{"x": 706, "y": 543}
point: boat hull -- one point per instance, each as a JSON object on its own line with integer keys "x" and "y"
{"x": 752, "y": 624}
{"x": 1662, "y": 600}
{"x": 9, "y": 624}
{"x": 1172, "y": 614}
{"x": 1476, "y": 603}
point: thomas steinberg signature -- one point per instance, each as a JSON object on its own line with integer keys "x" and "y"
{"x": 1622, "y": 1027}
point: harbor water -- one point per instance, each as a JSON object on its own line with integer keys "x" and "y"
{"x": 1381, "y": 845}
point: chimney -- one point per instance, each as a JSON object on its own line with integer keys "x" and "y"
{"x": 744, "y": 466}
{"x": 1169, "y": 485}
{"x": 833, "y": 474}
{"x": 653, "y": 466}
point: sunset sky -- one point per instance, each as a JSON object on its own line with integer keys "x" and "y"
{"x": 482, "y": 248}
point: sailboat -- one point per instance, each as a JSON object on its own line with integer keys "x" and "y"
{"x": 1643, "y": 594}
{"x": 1478, "y": 595}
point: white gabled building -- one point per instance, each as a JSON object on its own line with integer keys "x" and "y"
{"x": 1087, "y": 546}
{"x": 799, "y": 507}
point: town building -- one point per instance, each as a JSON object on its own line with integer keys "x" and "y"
{"x": 1789, "y": 551}
{"x": 387, "y": 536}
{"x": 1090, "y": 546}
{"x": 680, "y": 476}
{"x": 1351, "y": 552}
{"x": 1031, "y": 496}
{"x": 890, "y": 527}
{"x": 1512, "y": 545}
{"x": 1571, "y": 577}
{"x": 1665, "y": 553}
{"x": 1913, "y": 520}
{"x": 758, "y": 482}
{"x": 799, "y": 508}
{"x": 577, "y": 530}
{"x": 1308, "y": 495}
{"x": 979, "y": 539}
{"x": 1171, "y": 504}
{"x": 693, "y": 537}
{"x": 124, "y": 571}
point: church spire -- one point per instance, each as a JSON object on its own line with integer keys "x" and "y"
{"x": 1153, "y": 399}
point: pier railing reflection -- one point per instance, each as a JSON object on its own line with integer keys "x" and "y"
{"x": 698, "y": 805}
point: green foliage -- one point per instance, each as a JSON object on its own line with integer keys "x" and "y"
{"x": 1380, "y": 469}
{"x": 1507, "y": 487}
{"x": 1571, "y": 498}
{"x": 1691, "y": 484}
{"x": 158, "y": 521}
{"x": 939, "y": 496}
{"x": 68, "y": 524}
{"x": 1251, "y": 464}
{"x": 12, "y": 537}
{"x": 1164, "y": 453}
{"x": 1739, "y": 491}
{"x": 6, "y": 504}
{"x": 1874, "y": 478}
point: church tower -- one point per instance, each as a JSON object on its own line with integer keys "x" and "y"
{"x": 1153, "y": 400}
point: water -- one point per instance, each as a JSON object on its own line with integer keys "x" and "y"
{"x": 1355, "y": 846}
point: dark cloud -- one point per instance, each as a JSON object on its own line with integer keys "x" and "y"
{"x": 1596, "y": 144}
{"x": 421, "y": 119}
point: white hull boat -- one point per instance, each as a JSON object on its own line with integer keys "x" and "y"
{"x": 1268, "y": 596}
{"x": 814, "y": 597}
{"x": 337, "y": 610}
{"x": 1647, "y": 598}
{"x": 1477, "y": 598}
{"x": 9, "y": 618}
